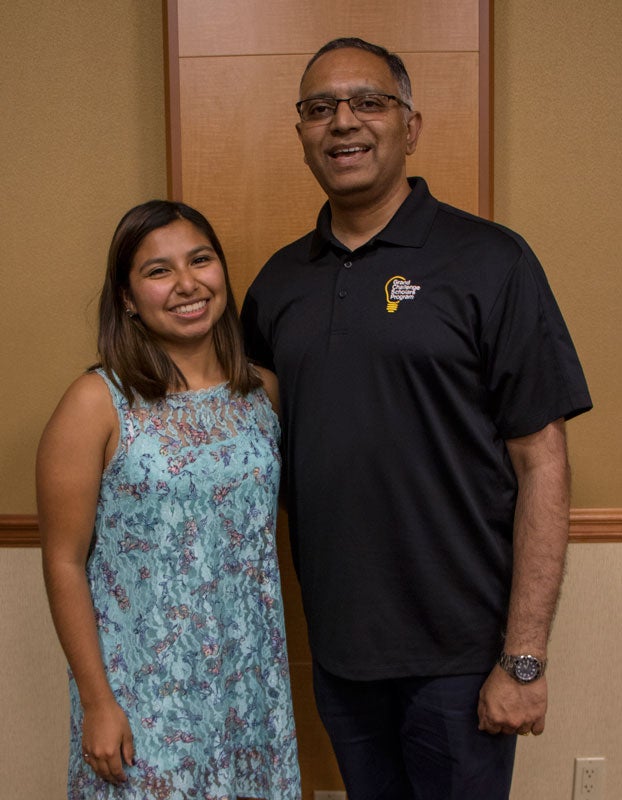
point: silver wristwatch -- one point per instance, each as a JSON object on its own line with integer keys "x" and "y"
{"x": 523, "y": 668}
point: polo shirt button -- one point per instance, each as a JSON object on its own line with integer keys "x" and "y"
{"x": 347, "y": 264}
{"x": 342, "y": 293}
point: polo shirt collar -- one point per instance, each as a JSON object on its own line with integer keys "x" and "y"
{"x": 409, "y": 226}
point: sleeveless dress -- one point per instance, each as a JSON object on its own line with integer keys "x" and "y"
{"x": 185, "y": 583}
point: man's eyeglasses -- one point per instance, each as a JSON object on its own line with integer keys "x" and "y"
{"x": 320, "y": 110}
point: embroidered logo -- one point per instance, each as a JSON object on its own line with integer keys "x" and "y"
{"x": 397, "y": 289}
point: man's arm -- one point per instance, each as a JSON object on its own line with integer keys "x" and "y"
{"x": 540, "y": 541}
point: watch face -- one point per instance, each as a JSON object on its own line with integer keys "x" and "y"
{"x": 526, "y": 668}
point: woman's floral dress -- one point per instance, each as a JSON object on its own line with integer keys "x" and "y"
{"x": 185, "y": 583}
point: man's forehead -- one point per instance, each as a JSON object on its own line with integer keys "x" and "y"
{"x": 347, "y": 68}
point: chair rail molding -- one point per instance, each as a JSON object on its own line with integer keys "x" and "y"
{"x": 587, "y": 526}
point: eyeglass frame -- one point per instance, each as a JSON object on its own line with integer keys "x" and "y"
{"x": 337, "y": 100}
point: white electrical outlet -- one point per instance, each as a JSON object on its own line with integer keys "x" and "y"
{"x": 589, "y": 779}
{"x": 329, "y": 795}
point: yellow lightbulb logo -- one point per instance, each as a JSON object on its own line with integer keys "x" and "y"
{"x": 392, "y": 304}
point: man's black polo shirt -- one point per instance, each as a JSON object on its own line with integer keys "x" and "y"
{"x": 403, "y": 367}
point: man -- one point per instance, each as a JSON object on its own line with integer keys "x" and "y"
{"x": 425, "y": 373}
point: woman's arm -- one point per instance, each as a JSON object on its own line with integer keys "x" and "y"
{"x": 76, "y": 444}
{"x": 271, "y": 386}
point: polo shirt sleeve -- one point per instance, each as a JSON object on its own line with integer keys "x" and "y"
{"x": 256, "y": 342}
{"x": 532, "y": 372}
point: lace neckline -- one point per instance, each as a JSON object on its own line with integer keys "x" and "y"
{"x": 215, "y": 389}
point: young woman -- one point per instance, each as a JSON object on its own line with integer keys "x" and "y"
{"x": 157, "y": 483}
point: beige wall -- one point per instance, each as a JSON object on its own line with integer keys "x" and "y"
{"x": 558, "y": 165}
{"x": 82, "y": 135}
{"x": 83, "y": 138}
{"x": 558, "y": 81}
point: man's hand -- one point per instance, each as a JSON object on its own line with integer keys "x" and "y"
{"x": 506, "y": 706}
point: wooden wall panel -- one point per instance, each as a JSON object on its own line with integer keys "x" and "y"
{"x": 223, "y": 27}
{"x": 242, "y": 164}
{"x": 234, "y": 68}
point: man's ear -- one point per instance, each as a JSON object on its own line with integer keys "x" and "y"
{"x": 300, "y": 139}
{"x": 413, "y": 125}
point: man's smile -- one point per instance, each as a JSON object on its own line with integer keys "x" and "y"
{"x": 343, "y": 151}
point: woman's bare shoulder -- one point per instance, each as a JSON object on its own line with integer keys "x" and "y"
{"x": 271, "y": 386}
{"x": 86, "y": 405}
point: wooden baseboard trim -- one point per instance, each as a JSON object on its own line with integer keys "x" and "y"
{"x": 587, "y": 525}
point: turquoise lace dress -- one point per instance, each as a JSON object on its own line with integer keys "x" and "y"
{"x": 185, "y": 583}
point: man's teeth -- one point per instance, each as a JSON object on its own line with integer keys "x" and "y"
{"x": 348, "y": 150}
{"x": 188, "y": 309}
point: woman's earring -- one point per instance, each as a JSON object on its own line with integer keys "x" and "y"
{"x": 131, "y": 314}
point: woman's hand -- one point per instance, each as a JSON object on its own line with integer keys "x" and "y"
{"x": 107, "y": 740}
